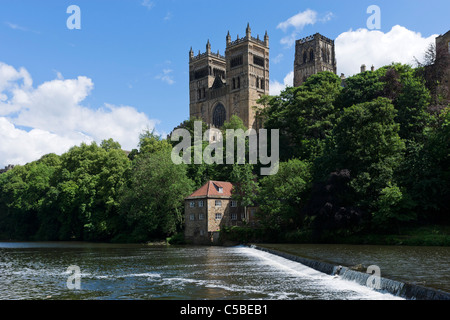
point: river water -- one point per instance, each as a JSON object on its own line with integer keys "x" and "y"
{"x": 135, "y": 272}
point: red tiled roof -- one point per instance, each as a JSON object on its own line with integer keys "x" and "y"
{"x": 211, "y": 189}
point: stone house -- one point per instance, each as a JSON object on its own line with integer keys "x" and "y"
{"x": 211, "y": 208}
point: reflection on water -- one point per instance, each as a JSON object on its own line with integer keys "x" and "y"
{"x": 38, "y": 271}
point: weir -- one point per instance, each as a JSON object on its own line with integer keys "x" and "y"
{"x": 398, "y": 288}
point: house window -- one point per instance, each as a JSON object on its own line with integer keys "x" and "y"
{"x": 201, "y": 216}
{"x": 202, "y": 232}
{"x": 234, "y": 216}
{"x": 218, "y": 203}
{"x": 234, "y": 203}
{"x": 220, "y": 190}
{"x": 200, "y": 204}
{"x": 192, "y": 204}
{"x": 218, "y": 216}
{"x": 192, "y": 217}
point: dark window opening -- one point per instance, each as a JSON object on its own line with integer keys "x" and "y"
{"x": 258, "y": 61}
{"x": 236, "y": 61}
{"x": 219, "y": 116}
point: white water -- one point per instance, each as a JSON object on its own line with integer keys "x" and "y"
{"x": 319, "y": 281}
{"x": 213, "y": 273}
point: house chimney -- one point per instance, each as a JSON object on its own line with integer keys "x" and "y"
{"x": 363, "y": 68}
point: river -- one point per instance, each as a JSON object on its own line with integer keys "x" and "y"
{"x": 38, "y": 271}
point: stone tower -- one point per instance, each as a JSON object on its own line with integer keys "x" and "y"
{"x": 313, "y": 54}
{"x": 222, "y": 86}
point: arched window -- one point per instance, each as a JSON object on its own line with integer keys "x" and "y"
{"x": 311, "y": 55}
{"x": 324, "y": 55}
{"x": 219, "y": 116}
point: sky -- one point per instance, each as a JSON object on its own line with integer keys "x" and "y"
{"x": 125, "y": 70}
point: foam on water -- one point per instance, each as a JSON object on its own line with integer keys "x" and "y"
{"x": 320, "y": 280}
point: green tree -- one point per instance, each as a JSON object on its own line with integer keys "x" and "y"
{"x": 152, "y": 201}
{"x": 282, "y": 196}
{"x": 245, "y": 185}
{"x": 305, "y": 116}
{"x": 366, "y": 142}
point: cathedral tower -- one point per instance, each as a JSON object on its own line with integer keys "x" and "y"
{"x": 222, "y": 86}
{"x": 313, "y": 54}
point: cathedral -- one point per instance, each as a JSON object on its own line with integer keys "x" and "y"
{"x": 222, "y": 86}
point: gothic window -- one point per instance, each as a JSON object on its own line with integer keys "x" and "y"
{"x": 258, "y": 61}
{"x": 324, "y": 55}
{"x": 234, "y": 83}
{"x": 257, "y": 82}
{"x": 305, "y": 57}
{"x": 239, "y": 82}
{"x": 201, "y": 73}
{"x": 236, "y": 61}
{"x": 262, "y": 84}
{"x": 219, "y": 116}
{"x": 311, "y": 55}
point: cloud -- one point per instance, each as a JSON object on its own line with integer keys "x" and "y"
{"x": 55, "y": 118}
{"x": 354, "y": 48}
{"x": 278, "y": 58}
{"x": 168, "y": 16}
{"x": 276, "y": 87}
{"x": 148, "y": 4}
{"x": 18, "y": 27}
{"x": 166, "y": 76}
{"x": 298, "y": 22}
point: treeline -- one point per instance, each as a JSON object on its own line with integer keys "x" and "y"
{"x": 96, "y": 193}
{"x": 368, "y": 157}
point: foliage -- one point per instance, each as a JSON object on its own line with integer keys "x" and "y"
{"x": 152, "y": 200}
{"x": 282, "y": 195}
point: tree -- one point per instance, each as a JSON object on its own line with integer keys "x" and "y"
{"x": 305, "y": 116}
{"x": 245, "y": 185}
{"x": 282, "y": 195}
{"x": 152, "y": 201}
{"x": 367, "y": 143}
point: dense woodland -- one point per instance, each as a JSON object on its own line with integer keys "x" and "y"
{"x": 370, "y": 157}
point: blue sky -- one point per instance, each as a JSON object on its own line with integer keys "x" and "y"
{"x": 129, "y": 61}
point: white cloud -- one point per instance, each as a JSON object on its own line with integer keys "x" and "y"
{"x": 278, "y": 58}
{"x": 148, "y": 4}
{"x": 18, "y": 27}
{"x": 166, "y": 76}
{"x": 276, "y": 87}
{"x": 354, "y": 48}
{"x": 298, "y": 22}
{"x": 56, "y": 117}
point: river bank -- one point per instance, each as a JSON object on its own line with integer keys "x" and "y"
{"x": 429, "y": 235}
